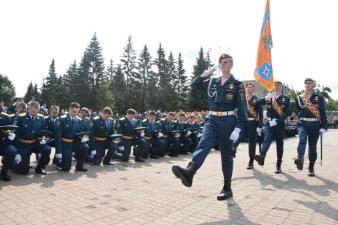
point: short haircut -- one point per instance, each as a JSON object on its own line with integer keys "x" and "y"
{"x": 151, "y": 113}
{"x": 107, "y": 110}
{"x": 85, "y": 109}
{"x": 22, "y": 105}
{"x": 74, "y": 105}
{"x": 54, "y": 107}
{"x": 131, "y": 112}
{"x": 250, "y": 83}
{"x": 34, "y": 105}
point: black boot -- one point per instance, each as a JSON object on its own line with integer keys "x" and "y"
{"x": 226, "y": 191}
{"x": 311, "y": 169}
{"x": 299, "y": 163}
{"x": 186, "y": 175}
{"x": 5, "y": 177}
{"x": 278, "y": 167}
{"x": 39, "y": 170}
{"x": 250, "y": 164}
{"x": 260, "y": 159}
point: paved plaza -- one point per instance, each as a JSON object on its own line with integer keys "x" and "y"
{"x": 148, "y": 193}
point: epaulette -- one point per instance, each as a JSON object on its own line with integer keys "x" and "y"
{"x": 63, "y": 117}
{"x": 123, "y": 119}
{"x": 145, "y": 120}
{"x": 22, "y": 114}
{"x": 96, "y": 118}
{"x": 5, "y": 114}
{"x": 46, "y": 117}
{"x": 40, "y": 115}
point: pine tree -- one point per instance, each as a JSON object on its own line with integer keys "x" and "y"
{"x": 29, "y": 93}
{"x": 164, "y": 80}
{"x": 182, "y": 86}
{"x": 198, "y": 99}
{"x": 119, "y": 91}
{"x": 144, "y": 67}
{"x": 49, "y": 86}
{"x": 7, "y": 90}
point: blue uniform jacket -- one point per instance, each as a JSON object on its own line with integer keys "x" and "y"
{"x": 317, "y": 100}
{"x": 228, "y": 97}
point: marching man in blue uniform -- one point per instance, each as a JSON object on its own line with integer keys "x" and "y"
{"x": 278, "y": 109}
{"x": 68, "y": 139}
{"x": 312, "y": 121}
{"x": 222, "y": 126}
{"x": 254, "y": 125}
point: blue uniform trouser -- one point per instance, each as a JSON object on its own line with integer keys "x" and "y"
{"x": 100, "y": 147}
{"x": 80, "y": 150}
{"x": 173, "y": 143}
{"x": 8, "y": 153}
{"x": 217, "y": 129}
{"x": 139, "y": 148}
{"x": 251, "y": 133}
{"x": 276, "y": 132}
{"x": 25, "y": 150}
{"x": 308, "y": 131}
{"x": 184, "y": 144}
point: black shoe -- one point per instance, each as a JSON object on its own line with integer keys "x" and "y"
{"x": 82, "y": 169}
{"x": 260, "y": 159}
{"x": 278, "y": 170}
{"x": 311, "y": 173}
{"x": 186, "y": 175}
{"x": 38, "y": 170}
{"x": 224, "y": 195}
{"x": 299, "y": 163}
{"x": 5, "y": 177}
{"x": 139, "y": 159}
{"x": 108, "y": 163}
{"x": 250, "y": 166}
{"x": 154, "y": 157}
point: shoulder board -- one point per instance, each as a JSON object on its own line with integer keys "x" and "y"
{"x": 22, "y": 114}
{"x": 145, "y": 120}
{"x": 96, "y": 118}
{"x": 79, "y": 118}
{"x": 4, "y": 114}
{"x": 46, "y": 117}
{"x": 63, "y": 117}
{"x": 40, "y": 115}
{"x": 123, "y": 119}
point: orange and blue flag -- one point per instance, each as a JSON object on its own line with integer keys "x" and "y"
{"x": 263, "y": 72}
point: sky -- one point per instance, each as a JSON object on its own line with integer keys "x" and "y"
{"x": 303, "y": 32}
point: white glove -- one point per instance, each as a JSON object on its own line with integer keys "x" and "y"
{"x": 84, "y": 139}
{"x": 268, "y": 96}
{"x": 207, "y": 73}
{"x": 259, "y": 131}
{"x": 121, "y": 148}
{"x": 188, "y": 133}
{"x": 177, "y": 135}
{"x": 322, "y": 130}
{"x": 116, "y": 141}
{"x": 272, "y": 123}
{"x": 42, "y": 142}
{"x": 160, "y": 134}
{"x": 58, "y": 156}
{"x": 93, "y": 152}
{"x": 11, "y": 136}
{"x": 142, "y": 134}
{"x": 199, "y": 135}
{"x": 17, "y": 158}
{"x": 235, "y": 134}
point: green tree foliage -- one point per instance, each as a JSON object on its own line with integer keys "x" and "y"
{"x": 198, "y": 99}
{"x": 7, "y": 90}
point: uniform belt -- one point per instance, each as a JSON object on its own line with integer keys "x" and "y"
{"x": 100, "y": 138}
{"x": 272, "y": 119}
{"x": 147, "y": 138}
{"x": 27, "y": 141}
{"x": 225, "y": 113}
{"x": 308, "y": 119}
{"x": 68, "y": 140}
{"x": 127, "y": 137}
{"x": 252, "y": 119}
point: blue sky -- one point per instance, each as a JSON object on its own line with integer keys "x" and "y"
{"x": 36, "y": 31}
